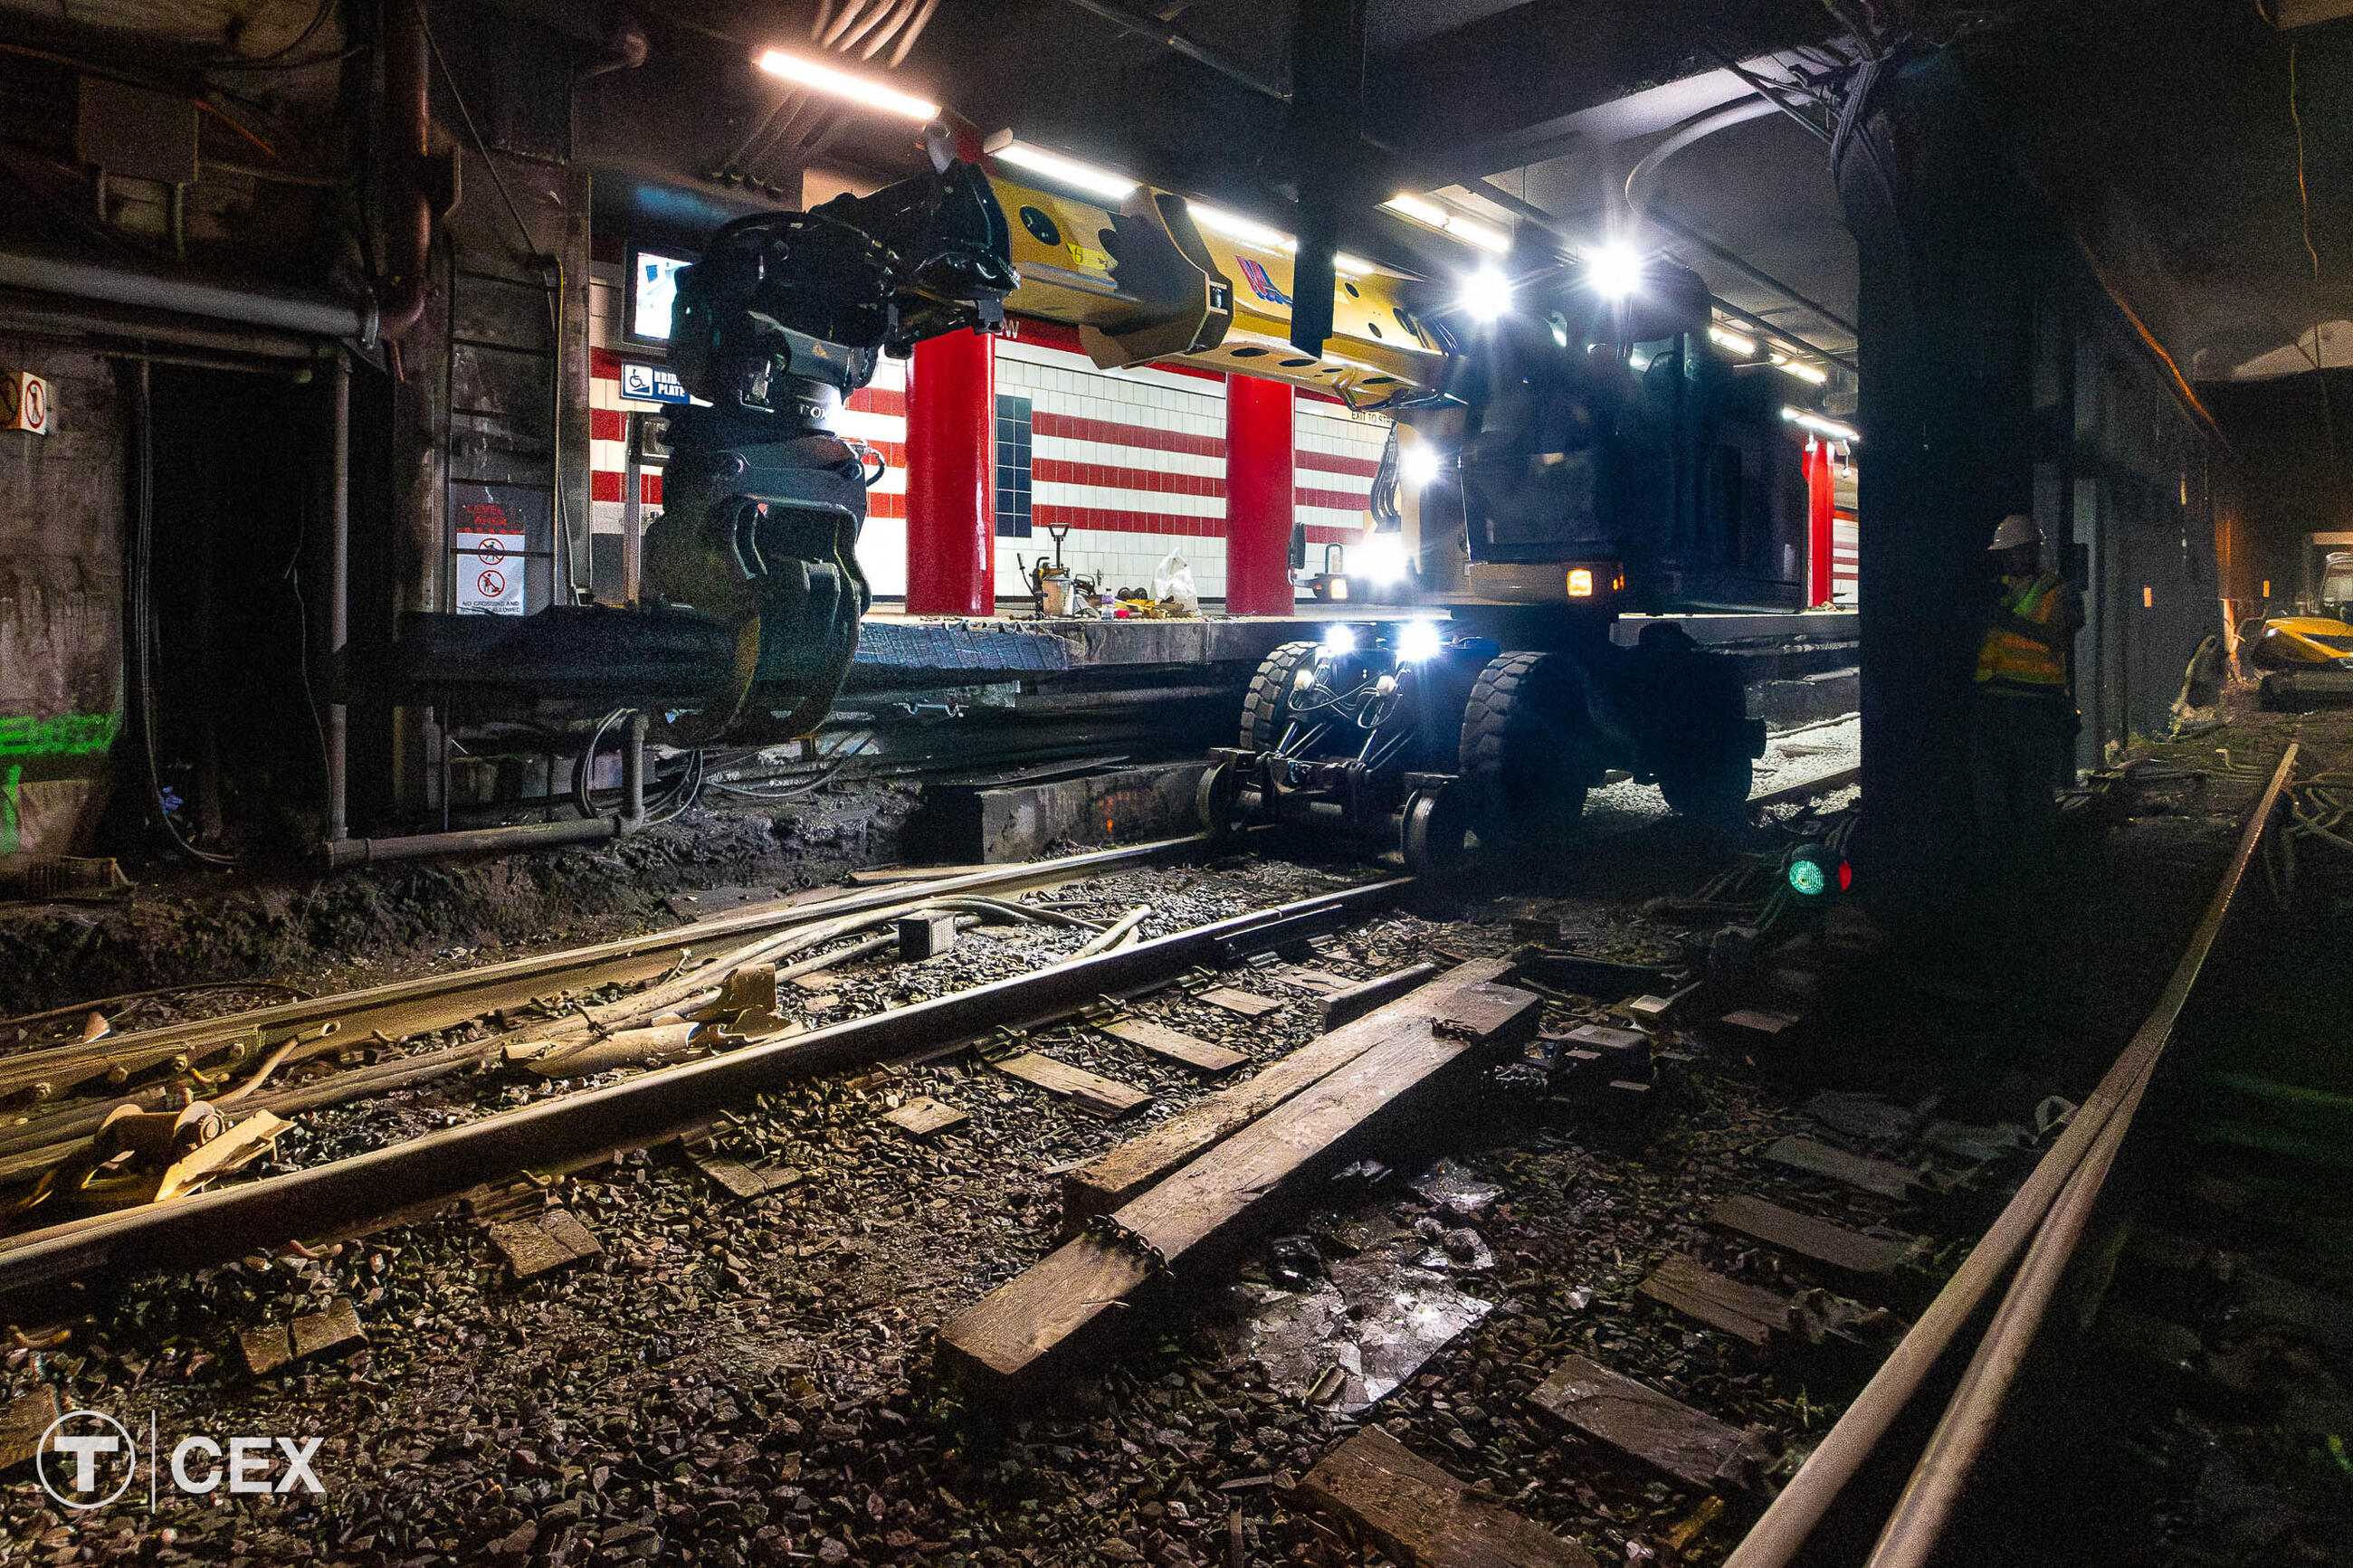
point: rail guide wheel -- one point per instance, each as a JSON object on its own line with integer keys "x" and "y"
{"x": 1523, "y": 754}
{"x": 1217, "y": 800}
{"x": 1435, "y": 838}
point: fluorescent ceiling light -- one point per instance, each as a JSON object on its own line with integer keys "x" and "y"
{"x": 1406, "y": 205}
{"x": 1485, "y": 236}
{"x": 1248, "y": 230}
{"x": 1065, "y": 171}
{"x": 1804, "y": 373}
{"x": 856, "y": 89}
{"x": 1819, "y": 426}
{"x": 1725, "y": 338}
{"x": 1429, "y": 215}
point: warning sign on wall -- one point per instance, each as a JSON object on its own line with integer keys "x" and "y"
{"x": 489, "y": 561}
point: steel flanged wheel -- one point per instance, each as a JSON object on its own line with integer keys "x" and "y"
{"x": 1436, "y": 836}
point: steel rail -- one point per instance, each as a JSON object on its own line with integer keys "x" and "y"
{"x": 1928, "y": 1499}
{"x": 458, "y": 991}
{"x": 347, "y": 1194}
{"x": 1780, "y": 1535}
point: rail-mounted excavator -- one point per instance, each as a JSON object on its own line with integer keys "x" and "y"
{"x": 1557, "y": 457}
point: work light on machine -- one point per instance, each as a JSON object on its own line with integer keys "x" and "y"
{"x": 1418, "y": 641}
{"x": 1384, "y": 560}
{"x": 1485, "y": 295}
{"x": 1614, "y": 270}
{"x": 1418, "y": 467}
{"x": 1339, "y": 637}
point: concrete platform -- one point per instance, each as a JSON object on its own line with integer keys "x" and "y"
{"x": 897, "y": 650}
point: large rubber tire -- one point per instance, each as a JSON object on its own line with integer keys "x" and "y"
{"x": 1266, "y": 709}
{"x": 1714, "y": 793}
{"x": 1521, "y": 759}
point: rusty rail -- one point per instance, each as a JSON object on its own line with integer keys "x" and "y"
{"x": 348, "y": 1193}
{"x": 2046, "y": 1214}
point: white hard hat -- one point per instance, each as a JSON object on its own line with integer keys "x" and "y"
{"x": 2016, "y": 529}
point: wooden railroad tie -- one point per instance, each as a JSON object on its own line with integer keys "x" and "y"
{"x": 1818, "y": 1159}
{"x": 1173, "y": 1044}
{"x": 1421, "y": 1517}
{"x": 1687, "y": 1444}
{"x": 1834, "y": 1246}
{"x": 1744, "y": 1311}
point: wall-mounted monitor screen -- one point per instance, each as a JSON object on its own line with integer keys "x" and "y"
{"x": 653, "y": 294}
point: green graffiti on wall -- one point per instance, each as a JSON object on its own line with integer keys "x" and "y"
{"x": 10, "y": 839}
{"x": 60, "y": 735}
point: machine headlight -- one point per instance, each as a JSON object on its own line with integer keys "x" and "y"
{"x": 1418, "y": 467}
{"x": 1419, "y": 640}
{"x": 1385, "y": 559}
{"x": 1339, "y": 637}
{"x": 1487, "y": 294}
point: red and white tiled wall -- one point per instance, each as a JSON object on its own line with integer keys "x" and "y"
{"x": 1132, "y": 462}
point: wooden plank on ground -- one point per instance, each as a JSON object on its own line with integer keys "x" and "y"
{"x": 533, "y": 1246}
{"x": 738, "y": 1179}
{"x": 1744, "y": 1311}
{"x": 1088, "y": 1091}
{"x": 1466, "y": 993}
{"x": 1018, "y": 1329}
{"x": 1423, "y": 1517}
{"x": 1176, "y": 1047}
{"x": 22, "y": 1421}
{"x": 922, "y": 1116}
{"x": 1847, "y": 1250}
{"x": 1692, "y": 1446}
{"x": 1248, "y": 1004}
{"x": 274, "y": 1346}
{"x": 1343, "y": 1006}
{"x": 1818, "y": 1159}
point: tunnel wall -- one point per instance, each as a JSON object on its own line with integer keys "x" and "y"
{"x": 62, "y": 506}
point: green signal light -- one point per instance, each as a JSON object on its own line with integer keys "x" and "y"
{"x": 1808, "y": 880}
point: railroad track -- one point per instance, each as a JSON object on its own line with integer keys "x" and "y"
{"x": 354, "y": 1194}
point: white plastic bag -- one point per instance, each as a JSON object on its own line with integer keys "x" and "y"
{"x": 1172, "y": 580}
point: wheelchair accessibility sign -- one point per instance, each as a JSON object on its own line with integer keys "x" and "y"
{"x": 650, "y": 382}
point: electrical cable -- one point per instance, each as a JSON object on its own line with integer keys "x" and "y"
{"x": 139, "y": 609}
{"x": 2319, "y": 297}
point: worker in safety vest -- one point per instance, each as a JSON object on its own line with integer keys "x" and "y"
{"x": 2022, "y": 732}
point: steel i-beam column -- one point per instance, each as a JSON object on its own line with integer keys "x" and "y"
{"x": 952, "y": 476}
{"x": 1258, "y": 496}
{"x": 1952, "y": 249}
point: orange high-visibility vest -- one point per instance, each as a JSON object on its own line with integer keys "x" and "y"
{"x": 2025, "y": 643}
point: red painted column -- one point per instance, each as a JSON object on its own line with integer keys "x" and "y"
{"x": 1820, "y": 537}
{"x": 952, "y": 476}
{"x": 1259, "y": 495}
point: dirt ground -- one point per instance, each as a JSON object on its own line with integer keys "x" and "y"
{"x": 368, "y": 924}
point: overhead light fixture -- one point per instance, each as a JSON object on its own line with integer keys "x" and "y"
{"x": 1725, "y": 338}
{"x": 1819, "y": 426}
{"x": 1355, "y": 265}
{"x": 1804, "y": 373}
{"x": 1487, "y": 294}
{"x": 1062, "y": 171}
{"x": 861, "y": 90}
{"x": 1459, "y": 226}
{"x": 1614, "y": 271}
{"x": 1234, "y": 225}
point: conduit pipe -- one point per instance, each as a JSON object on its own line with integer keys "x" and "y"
{"x": 143, "y": 287}
{"x": 408, "y": 221}
{"x": 475, "y": 840}
{"x": 1645, "y": 174}
{"x": 1927, "y": 1504}
{"x": 1780, "y": 1535}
